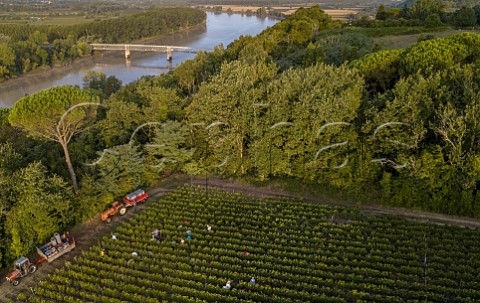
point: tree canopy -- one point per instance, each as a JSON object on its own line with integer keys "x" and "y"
{"x": 303, "y": 101}
{"x": 55, "y": 114}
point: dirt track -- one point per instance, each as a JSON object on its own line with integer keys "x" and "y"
{"x": 88, "y": 233}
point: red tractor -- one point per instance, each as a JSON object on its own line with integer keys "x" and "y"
{"x": 58, "y": 246}
{"x": 23, "y": 267}
{"x": 116, "y": 207}
{"x": 121, "y": 207}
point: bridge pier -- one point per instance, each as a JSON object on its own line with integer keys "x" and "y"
{"x": 169, "y": 54}
{"x": 127, "y": 53}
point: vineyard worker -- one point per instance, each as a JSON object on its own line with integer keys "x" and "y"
{"x": 135, "y": 254}
{"x": 209, "y": 228}
{"x": 114, "y": 237}
{"x": 155, "y": 234}
{"x": 189, "y": 237}
{"x": 253, "y": 281}
{"x": 102, "y": 252}
{"x": 182, "y": 241}
{"x": 228, "y": 285}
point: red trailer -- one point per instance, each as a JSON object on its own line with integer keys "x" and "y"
{"x": 121, "y": 207}
{"x": 135, "y": 197}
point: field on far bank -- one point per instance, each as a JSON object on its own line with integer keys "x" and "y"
{"x": 404, "y": 41}
{"x": 342, "y": 14}
{"x": 336, "y": 14}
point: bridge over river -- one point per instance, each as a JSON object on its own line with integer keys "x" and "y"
{"x": 127, "y": 48}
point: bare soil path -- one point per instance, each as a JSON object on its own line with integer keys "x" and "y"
{"x": 88, "y": 233}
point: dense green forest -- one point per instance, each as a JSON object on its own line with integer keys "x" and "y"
{"x": 306, "y": 100}
{"x": 27, "y": 47}
{"x": 429, "y": 13}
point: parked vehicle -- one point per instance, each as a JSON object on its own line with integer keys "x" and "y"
{"x": 23, "y": 267}
{"x": 135, "y": 197}
{"x": 58, "y": 246}
{"x": 121, "y": 207}
{"x": 116, "y": 207}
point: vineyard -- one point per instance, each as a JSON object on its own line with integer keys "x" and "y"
{"x": 297, "y": 251}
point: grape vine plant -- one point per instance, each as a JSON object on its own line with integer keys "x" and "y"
{"x": 298, "y": 251}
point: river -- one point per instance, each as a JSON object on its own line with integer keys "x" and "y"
{"x": 218, "y": 29}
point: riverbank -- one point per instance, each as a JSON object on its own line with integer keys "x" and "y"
{"x": 279, "y": 12}
{"x": 43, "y": 74}
{"x": 217, "y": 29}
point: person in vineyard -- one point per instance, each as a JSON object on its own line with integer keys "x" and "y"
{"x": 114, "y": 237}
{"x": 228, "y": 285}
{"x": 209, "y": 227}
{"x": 157, "y": 235}
{"x": 253, "y": 281}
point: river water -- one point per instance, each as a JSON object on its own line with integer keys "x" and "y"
{"x": 219, "y": 29}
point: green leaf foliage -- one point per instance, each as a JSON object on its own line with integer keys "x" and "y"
{"x": 42, "y": 207}
{"x": 39, "y": 114}
{"x": 399, "y": 127}
{"x": 229, "y": 99}
{"x": 465, "y": 17}
{"x": 380, "y": 69}
{"x": 4, "y": 112}
{"x": 55, "y": 114}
